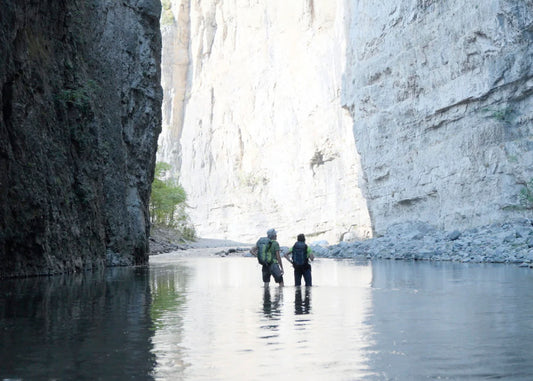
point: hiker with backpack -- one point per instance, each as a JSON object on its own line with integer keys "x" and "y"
{"x": 300, "y": 254}
{"x": 267, "y": 252}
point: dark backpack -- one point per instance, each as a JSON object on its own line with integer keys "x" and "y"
{"x": 299, "y": 254}
{"x": 264, "y": 256}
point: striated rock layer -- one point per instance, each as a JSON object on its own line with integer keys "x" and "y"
{"x": 79, "y": 121}
{"x": 441, "y": 97}
{"x": 257, "y": 131}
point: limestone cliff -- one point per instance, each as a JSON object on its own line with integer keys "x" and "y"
{"x": 340, "y": 118}
{"x": 256, "y": 128}
{"x": 441, "y": 97}
{"x": 79, "y": 121}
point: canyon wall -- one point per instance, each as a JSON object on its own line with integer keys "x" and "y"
{"x": 341, "y": 118}
{"x": 253, "y": 122}
{"x": 441, "y": 97}
{"x": 79, "y": 121}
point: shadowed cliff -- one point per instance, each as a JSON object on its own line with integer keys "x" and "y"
{"x": 79, "y": 119}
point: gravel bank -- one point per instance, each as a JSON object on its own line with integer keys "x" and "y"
{"x": 167, "y": 241}
{"x": 510, "y": 242}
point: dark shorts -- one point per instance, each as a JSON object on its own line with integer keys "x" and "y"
{"x": 273, "y": 270}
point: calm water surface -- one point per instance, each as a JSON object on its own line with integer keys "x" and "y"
{"x": 211, "y": 319}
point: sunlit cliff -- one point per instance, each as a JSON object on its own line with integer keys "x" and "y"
{"x": 340, "y": 118}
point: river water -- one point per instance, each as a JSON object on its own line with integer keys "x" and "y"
{"x": 210, "y": 318}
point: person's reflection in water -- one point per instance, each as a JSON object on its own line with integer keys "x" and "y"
{"x": 272, "y": 308}
{"x": 272, "y": 312}
{"x": 302, "y": 306}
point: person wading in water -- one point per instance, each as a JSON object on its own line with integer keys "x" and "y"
{"x": 268, "y": 254}
{"x": 300, "y": 254}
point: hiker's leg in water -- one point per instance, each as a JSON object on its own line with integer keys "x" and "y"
{"x": 266, "y": 275}
{"x": 307, "y": 276}
{"x": 297, "y": 276}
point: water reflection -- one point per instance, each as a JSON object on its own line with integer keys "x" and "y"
{"x": 77, "y": 326}
{"x": 271, "y": 307}
{"x": 232, "y": 327}
{"x": 461, "y": 321}
{"x": 302, "y": 306}
{"x": 212, "y": 319}
{"x": 272, "y": 312}
{"x": 169, "y": 298}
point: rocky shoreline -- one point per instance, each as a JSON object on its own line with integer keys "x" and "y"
{"x": 509, "y": 242}
{"x": 164, "y": 240}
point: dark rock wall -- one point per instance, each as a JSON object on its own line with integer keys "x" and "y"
{"x": 79, "y": 119}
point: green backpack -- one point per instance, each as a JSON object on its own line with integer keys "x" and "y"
{"x": 264, "y": 256}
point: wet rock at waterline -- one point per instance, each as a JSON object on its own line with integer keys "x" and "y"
{"x": 510, "y": 242}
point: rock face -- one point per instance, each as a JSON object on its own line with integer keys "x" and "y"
{"x": 441, "y": 97}
{"x": 79, "y": 121}
{"x": 439, "y": 126}
{"x": 257, "y": 131}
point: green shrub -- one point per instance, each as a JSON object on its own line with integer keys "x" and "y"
{"x": 504, "y": 114}
{"x": 168, "y": 203}
{"x": 526, "y": 195}
{"x": 167, "y": 17}
{"x": 80, "y": 97}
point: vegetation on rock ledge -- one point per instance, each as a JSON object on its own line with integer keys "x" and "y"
{"x": 526, "y": 195}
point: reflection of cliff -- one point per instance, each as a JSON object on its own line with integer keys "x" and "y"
{"x": 438, "y": 98}
{"x": 80, "y": 112}
{"x": 69, "y": 327}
